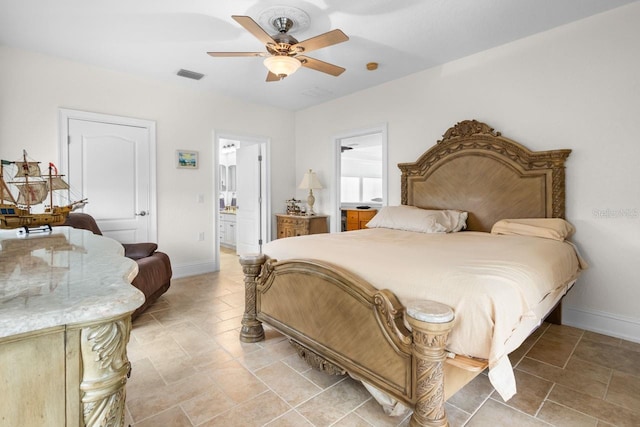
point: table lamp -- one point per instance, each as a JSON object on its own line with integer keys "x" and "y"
{"x": 310, "y": 182}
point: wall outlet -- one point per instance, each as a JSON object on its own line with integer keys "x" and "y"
{"x": 200, "y": 198}
{"x": 201, "y": 236}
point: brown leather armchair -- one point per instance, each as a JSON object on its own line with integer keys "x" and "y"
{"x": 154, "y": 268}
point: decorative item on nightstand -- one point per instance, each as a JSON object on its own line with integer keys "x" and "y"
{"x": 310, "y": 182}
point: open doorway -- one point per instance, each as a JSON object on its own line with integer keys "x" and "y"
{"x": 361, "y": 176}
{"x": 242, "y": 194}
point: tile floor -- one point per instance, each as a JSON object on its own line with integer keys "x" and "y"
{"x": 190, "y": 369}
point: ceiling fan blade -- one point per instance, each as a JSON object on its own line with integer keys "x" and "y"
{"x": 234, "y": 54}
{"x": 272, "y": 77}
{"x": 316, "y": 64}
{"x": 318, "y": 42}
{"x": 255, "y": 29}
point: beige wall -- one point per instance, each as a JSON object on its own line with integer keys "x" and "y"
{"x": 33, "y": 87}
{"x": 574, "y": 87}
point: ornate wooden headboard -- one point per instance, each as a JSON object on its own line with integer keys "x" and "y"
{"x": 474, "y": 169}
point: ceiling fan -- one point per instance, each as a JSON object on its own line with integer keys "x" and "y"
{"x": 283, "y": 56}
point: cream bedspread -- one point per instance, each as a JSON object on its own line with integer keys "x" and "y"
{"x": 500, "y": 287}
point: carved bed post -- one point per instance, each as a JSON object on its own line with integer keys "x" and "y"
{"x": 252, "y": 330}
{"x": 431, "y": 323}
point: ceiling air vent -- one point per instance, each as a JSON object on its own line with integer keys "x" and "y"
{"x": 190, "y": 74}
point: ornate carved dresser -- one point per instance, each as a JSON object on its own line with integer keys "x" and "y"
{"x": 65, "y": 317}
{"x": 300, "y": 225}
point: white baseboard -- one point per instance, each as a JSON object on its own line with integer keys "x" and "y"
{"x": 602, "y": 322}
{"x": 187, "y": 270}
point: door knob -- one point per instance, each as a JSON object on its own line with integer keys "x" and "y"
{"x": 141, "y": 213}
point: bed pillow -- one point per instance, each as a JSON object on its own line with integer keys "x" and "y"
{"x": 548, "y": 228}
{"x": 411, "y": 218}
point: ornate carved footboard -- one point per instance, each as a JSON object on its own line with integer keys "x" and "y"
{"x": 340, "y": 323}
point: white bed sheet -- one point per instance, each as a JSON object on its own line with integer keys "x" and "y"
{"x": 500, "y": 287}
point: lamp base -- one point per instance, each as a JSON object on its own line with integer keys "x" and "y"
{"x": 310, "y": 201}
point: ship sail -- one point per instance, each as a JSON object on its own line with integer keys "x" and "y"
{"x": 32, "y": 193}
{"x": 57, "y": 183}
{"x": 30, "y": 169}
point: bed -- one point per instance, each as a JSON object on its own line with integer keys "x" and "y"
{"x": 396, "y": 308}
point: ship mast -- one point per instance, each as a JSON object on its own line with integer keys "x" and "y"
{"x": 3, "y": 184}
{"x": 51, "y": 187}
{"x": 25, "y": 167}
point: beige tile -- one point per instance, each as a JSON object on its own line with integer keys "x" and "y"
{"x": 496, "y": 414}
{"x": 290, "y": 419}
{"x": 230, "y": 341}
{"x": 230, "y": 313}
{"x": 591, "y": 370}
{"x": 353, "y": 420}
{"x": 175, "y": 368}
{"x": 456, "y": 417}
{"x": 207, "y": 405}
{"x": 235, "y": 299}
{"x": 517, "y": 355}
{"x": 334, "y": 403}
{"x": 531, "y": 392}
{"x": 164, "y": 348}
{"x": 266, "y": 355}
{"x": 297, "y": 363}
{"x": 322, "y": 379}
{"x": 236, "y": 381}
{"x": 173, "y": 417}
{"x": 558, "y": 415}
{"x": 601, "y": 339}
{"x": 206, "y": 359}
{"x": 288, "y": 384}
{"x": 372, "y": 412}
{"x": 471, "y": 396}
{"x": 256, "y": 412}
{"x": 615, "y": 357}
{"x": 633, "y": 346}
{"x": 584, "y": 379}
{"x": 624, "y": 390}
{"x": 216, "y": 327}
{"x": 593, "y": 407}
{"x": 553, "y": 349}
{"x": 143, "y": 332}
{"x": 160, "y": 398}
{"x": 144, "y": 378}
{"x": 563, "y": 333}
{"x": 191, "y": 339}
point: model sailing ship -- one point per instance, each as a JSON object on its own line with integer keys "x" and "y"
{"x": 33, "y": 188}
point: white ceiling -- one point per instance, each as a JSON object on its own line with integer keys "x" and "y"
{"x": 156, "y": 38}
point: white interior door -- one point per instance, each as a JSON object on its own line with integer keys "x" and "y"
{"x": 110, "y": 163}
{"x": 250, "y": 215}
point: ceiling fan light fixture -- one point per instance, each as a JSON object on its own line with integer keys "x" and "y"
{"x": 282, "y": 65}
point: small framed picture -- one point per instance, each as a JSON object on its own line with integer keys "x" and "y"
{"x": 186, "y": 159}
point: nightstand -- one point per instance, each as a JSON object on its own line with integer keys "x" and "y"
{"x": 300, "y": 225}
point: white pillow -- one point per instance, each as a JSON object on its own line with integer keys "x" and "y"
{"x": 411, "y": 218}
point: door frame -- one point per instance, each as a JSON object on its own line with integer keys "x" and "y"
{"x": 65, "y": 114}
{"x": 266, "y": 197}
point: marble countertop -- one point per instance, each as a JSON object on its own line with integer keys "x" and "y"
{"x": 64, "y": 277}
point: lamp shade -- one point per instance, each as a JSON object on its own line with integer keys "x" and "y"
{"x": 310, "y": 181}
{"x": 282, "y": 65}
